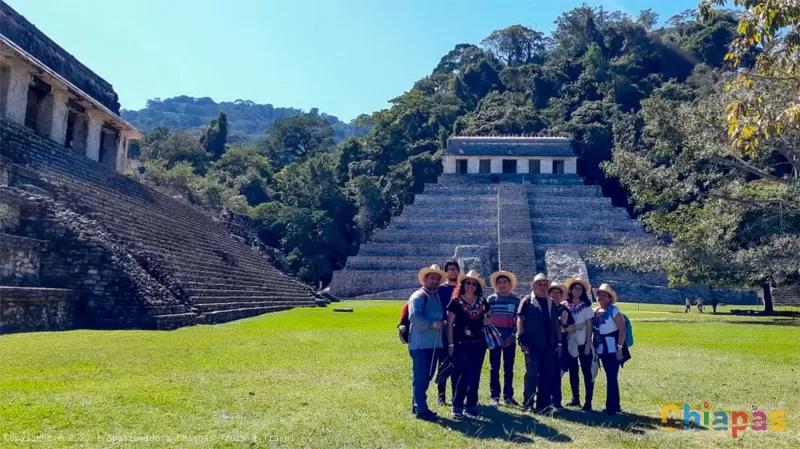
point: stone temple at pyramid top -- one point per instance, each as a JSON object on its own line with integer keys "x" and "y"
{"x": 509, "y": 155}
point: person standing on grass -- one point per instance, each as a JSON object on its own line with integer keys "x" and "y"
{"x": 503, "y": 305}
{"x": 688, "y": 304}
{"x": 714, "y": 304}
{"x": 467, "y": 314}
{"x": 445, "y": 292}
{"x": 608, "y": 327}
{"x": 424, "y": 337}
{"x": 557, "y": 292}
{"x": 540, "y": 341}
{"x": 700, "y": 302}
{"x": 581, "y": 309}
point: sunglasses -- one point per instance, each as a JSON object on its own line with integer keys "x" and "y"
{"x": 471, "y": 283}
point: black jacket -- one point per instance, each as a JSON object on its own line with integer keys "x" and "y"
{"x": 534, "y": 335}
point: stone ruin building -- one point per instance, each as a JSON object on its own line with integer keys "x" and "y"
{"x": 510, "y": 203}
{"x": 84, "y": 245}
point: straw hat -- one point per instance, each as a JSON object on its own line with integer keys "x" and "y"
{"x": 561, "y": 287}
{"x": 511, "y": 277}
{"x": 433, "y": 269}
{"x": 540, "y": 277}
{"x": 472, "y": 274}
{"x": 607, "y": 288}
{"x": 587, "y": 287}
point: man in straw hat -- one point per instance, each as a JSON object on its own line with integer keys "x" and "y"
{"x": 539, "y": 339}
{"x": 424, "y": 338}
{"x": 503, "y": 304}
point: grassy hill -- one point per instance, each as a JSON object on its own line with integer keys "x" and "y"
{"x": 248, "y": 121}
{"x": 315, "y": 378}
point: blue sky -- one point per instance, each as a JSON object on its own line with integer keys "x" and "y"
{"x": 343, "y": 56}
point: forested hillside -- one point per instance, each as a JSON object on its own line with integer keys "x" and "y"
{"x": 317, "y": 201}
{"x": 247, "y": 121}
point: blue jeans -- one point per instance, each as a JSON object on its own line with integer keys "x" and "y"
{"x": 421, "y": 361}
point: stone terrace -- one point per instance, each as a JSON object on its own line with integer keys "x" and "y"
{"x": 134, "y": 257}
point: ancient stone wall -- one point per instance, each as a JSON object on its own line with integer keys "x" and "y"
{"x": 43, "y": 309}
{"x": 19, "y": 260}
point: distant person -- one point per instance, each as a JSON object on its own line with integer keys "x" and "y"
{"x": 700, "y": 301}
{"x": 714, "y": 304}
{"x": 581, "y": 309}
{"x": 557, "y": 292}
{"x": 503, "y": 305}
{"x": 467, "y": 314}
{"x": 540, "y": 341}
{"x": 424, "y": 337}
{"x": 445, "y": 292}
{"x": 688, "y": 304}
{"x": 608, "y": 327}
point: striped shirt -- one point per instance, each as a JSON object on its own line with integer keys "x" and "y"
{"x": 504, "y": 312}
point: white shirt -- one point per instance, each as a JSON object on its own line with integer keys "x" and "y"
{"x": 606, "y": 327}
{"x": 580, "y": 317}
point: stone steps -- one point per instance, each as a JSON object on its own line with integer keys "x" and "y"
{"x": 564, "y": 191}
{"x": 459, "y": 223}
{"x": 438, "y": 236}
{"x": 433, "y": 250}
{"x": 585, "y": 224}
{"x": 185, "y": 247}
{"x": 351, "y": 283}
{"x": 388, "y": 262}
{"x": 565, "y": 212}
{"x": 452, "y": 209}
{"x": 223, "y": 316}
{"x": 573, "y": 202}
{"x": 476, "y": 199}
{"x": 174, "y": 321}
{"x": 451, "y": 179}
{"x": 588, "y": 237}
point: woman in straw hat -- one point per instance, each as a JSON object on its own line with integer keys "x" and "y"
{"x": 609, "y": 342}
{"x": 581, "y": 310}
{"x": 467, "y": 314}
{"x": 557, "y": 292}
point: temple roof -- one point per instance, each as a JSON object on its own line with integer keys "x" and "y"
{"x": 510, "y": 146}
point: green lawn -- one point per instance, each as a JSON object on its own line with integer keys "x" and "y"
{"x": 316, "y": 378}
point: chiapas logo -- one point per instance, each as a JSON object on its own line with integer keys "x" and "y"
{"x": 737, "y": 422}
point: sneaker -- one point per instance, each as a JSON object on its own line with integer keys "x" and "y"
{"x": 427, "y": 416}
{"x": 441, "y": 401}
{"x": 457, "y": 415}
{"x": 587, "y": 407}
{"x": 494, "y": 402}
{"x": 511, "y": 402}
{"x": 574, "y": 403}
{"x": 472, "y": 414}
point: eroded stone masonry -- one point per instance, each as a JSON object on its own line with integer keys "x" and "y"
{"x": 521, "y": 201}
{"x": 83, "y": 245}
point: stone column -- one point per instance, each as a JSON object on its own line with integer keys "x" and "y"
{"x": 570, "y": 166}
{"x": 522, "y": 165}
{"x": 122, "y": 152}
{"x": 448, "y": 164}
{"x": 93, "y": 134}
{"x": 496, "y": 165}
{"x": 17, "y": 99}
{"x": 473, "y": 165}
{"x": 547, "y": 165}
{"x": 60, "y": 113}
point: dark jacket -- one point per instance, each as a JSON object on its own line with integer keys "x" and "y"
{"x": 534, "y": 335}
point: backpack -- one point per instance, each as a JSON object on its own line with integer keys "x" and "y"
{"x": 628, "y": 330}
{"x": 404, "y": 326}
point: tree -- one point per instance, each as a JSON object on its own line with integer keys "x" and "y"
{"x": 767, "y": 48}
{"x": 172, "y": 147}
{"x": 215, "y": 136}
{"x": 732, "y": 219}
{"x": 506, "y": 113}
{"x": 516, "y": 45}
{"x": 293, "y": 139}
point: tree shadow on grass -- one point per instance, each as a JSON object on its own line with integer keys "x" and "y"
{"x": 494, "y": 423}
{"x": 627, "y": 422}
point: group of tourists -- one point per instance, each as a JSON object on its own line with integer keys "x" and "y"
{"x": 449, "y": 326}
{"x": 700, "y": 302}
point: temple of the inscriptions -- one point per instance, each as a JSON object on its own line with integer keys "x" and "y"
{"x": 82, "y": 244}
{"x": 511, "y": 203}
